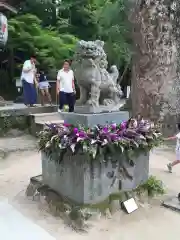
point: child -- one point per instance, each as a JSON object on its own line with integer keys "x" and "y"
{"x": 44, "y": 88}
{"x": 177, "y": 161}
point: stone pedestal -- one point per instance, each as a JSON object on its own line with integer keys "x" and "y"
{"x": 92, "y": 119}
{"x": 86, "y": 181}
{"x": 101, "y": 109}
{"x": 90, "y": 181}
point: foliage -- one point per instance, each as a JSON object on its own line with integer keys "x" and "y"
{"x": 153, "y": 186}
{"x": 88, "y": 20}
{"x": 43, "y": 9}
{"x": 12, "y": 122}
{"x": 50, "y": 29}
{"x": 126, "y": 137}
{"x": 81, "y": 18}
{"x": 28, "y": 37}
{"x": 114, "y": 29}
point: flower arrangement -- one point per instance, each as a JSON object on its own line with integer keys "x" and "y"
{"x": 128, "y": 136}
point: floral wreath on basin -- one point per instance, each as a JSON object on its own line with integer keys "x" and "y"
{"x": 128, "y": 137}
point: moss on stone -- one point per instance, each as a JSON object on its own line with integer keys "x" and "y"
{"x": 77, "y": 215}
{"x": 12, "y": 122}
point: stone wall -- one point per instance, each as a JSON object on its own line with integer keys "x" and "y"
{"x": 13, "y": 122}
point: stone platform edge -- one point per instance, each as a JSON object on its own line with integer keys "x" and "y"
{"x": 27, "y": 111}
{"x": 95, "y": 118}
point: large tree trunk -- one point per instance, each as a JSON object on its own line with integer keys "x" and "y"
{"x": 155, "y": 86}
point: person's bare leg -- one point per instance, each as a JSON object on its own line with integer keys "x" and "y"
{"x": 42, "y": 97}
{"x": 175, "y": 163}
{"x": 48, "y": 95}
{"x": 171, "y": 165}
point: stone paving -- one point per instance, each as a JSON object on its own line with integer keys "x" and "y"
{"x": 13, "y": 106}
{"x": 13, "y": 225}
{"x": 148, "y": 222}
{"x": 20, "y": 143}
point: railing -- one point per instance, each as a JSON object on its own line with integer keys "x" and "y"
{"x": 52, "y": 89}
{"x": 8, "y": 7}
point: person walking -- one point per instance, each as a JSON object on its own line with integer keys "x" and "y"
{"x": 177, "y": 138}
{"x": 28, "y": 78}
{"x": 65, "y": 87}
{"x": 44, "y": 87}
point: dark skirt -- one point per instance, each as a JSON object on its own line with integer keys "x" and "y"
{"x": 29, "y": 93}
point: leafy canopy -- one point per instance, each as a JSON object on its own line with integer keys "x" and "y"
{"x": 50, "y": 28}
{"x": 28, "y": 37}
{"x": 115, "y": 30}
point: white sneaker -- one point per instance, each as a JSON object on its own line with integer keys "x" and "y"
{"x": 169, "y": 166}
{"x": 59, "y": 110}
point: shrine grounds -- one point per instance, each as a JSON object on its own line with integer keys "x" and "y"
{"x": 22, "y": 161}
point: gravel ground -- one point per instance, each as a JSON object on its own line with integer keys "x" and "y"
{"x": 146, "y": 223}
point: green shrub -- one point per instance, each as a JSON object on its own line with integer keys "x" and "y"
{"x": 153, "y": 186}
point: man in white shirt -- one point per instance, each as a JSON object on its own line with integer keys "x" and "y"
{"x": 65, "y": 87}
{"x": 28, "y": 80}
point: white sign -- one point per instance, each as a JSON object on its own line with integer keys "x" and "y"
{"x": 130, "y": 205}
{"x": 18, "y": 83}
{"x": 3, "y": 29}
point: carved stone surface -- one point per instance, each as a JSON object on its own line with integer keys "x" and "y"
{"x": 97, "y": 85}
{"x": 87, "y": 181}
{"x": 94, "y": 109}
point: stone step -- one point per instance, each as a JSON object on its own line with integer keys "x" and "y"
{"x": 22, "y": 110}
{"x": 39, "y": 126}
{"x": 38, "y": 120}
{"x": 50, "y": 122}
{"x": 45, "y": 117}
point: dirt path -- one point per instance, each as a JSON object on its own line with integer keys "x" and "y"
{"x": 146, "y": 223}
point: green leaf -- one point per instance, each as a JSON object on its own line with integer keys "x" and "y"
{"x": 85, "y": 148}
{"x": 27, "y": 36}
{"x": 121, "y": 148}
{"x": 93, "y": 151}
{"x": 48, "y": 144}
{"x": 73, "y": 147}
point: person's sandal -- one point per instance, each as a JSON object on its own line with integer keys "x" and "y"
{"x": 169, "y": 166}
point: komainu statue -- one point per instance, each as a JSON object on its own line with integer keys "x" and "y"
{"x": 97, "y": 85}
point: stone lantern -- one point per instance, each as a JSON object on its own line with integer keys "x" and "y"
{"x": 4, "y": 6}
{"x": 4, "y": 22}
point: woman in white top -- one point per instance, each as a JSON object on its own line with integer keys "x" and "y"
{"x": 28, "y": 82}
{"x": 65, "y": 87}
{"x": 177, "y": 161}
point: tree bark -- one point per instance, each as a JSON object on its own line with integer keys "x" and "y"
{"x": 155, "y": 85}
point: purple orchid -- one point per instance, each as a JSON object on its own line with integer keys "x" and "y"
{"x": 113, "y": 137}
{"x": 66, "y": 125}
{"x": 69, "y": 137}
{"x": 75, "y": 130}
{"x": 105, "y": 129}
{"x": 113, "y": 126}
{"x": 123, "y": 125}
{"x": 81, "y": 134}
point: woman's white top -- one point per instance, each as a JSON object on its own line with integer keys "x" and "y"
{"x": 66, "y": 80}
{"x": 28, "y": 76}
